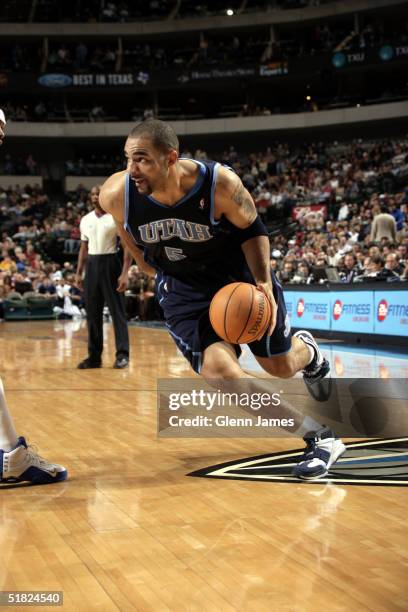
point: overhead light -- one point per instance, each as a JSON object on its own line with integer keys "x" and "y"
{"x": 308, "y": 98}
{"x": 230, "y": 12}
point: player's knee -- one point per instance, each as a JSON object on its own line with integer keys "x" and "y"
{"x": 220, "y": 371}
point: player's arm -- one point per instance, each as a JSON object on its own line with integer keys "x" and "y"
{"x": 112, "y": 198}
{"x": 134, "y": 251}
{"x": 234, "y": 202}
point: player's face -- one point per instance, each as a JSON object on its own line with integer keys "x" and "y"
{"x": 2, "y": 132}
{"x": 146, "y": 166}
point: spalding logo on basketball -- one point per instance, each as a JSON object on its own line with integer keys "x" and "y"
{"x": 337, "y": 310}
{"x": 382, "y": 310}
{"x": 300, "y": 309}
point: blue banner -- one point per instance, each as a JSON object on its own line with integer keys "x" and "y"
{"x": 352, "y": 311}
{"x": 367, "y": 312}
{"x": 391, "y": 312}
{"x": 311, "y": 310}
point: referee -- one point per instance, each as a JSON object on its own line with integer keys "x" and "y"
{"x": 105, "y": 281}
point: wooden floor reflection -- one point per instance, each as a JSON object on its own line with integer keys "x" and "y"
{"x": 129, "y": 531}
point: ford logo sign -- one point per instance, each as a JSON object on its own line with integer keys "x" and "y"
{"x": 55, "y": 80}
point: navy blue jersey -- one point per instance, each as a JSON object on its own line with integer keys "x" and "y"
{"x": 184, "y": 240}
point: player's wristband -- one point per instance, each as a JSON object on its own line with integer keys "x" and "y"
{"x": 257, "y": 228}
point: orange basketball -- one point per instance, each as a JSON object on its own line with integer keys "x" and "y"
{"x": 240, "y": 313}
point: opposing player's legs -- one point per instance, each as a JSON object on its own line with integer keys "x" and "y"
{"x": 18, "y": 461}
{"x": 8, "y": 434}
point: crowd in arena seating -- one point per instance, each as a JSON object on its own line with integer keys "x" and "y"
{"x": 340, "y": 208}
{"x": 204, "y": 49}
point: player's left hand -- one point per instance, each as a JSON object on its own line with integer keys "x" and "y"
{"x": 122, "y": 283}
{"x": 266, "y": 288}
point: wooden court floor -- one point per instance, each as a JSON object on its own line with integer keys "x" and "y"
{"x": 129, "y": 531}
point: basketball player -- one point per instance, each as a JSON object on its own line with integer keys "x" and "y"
{"x": 198, "y": 229}
{"x": 18, "y": 461}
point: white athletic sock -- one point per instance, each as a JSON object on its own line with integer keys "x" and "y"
{"x": 308, "y": 424}
{"x": 8, "y": 434}
{"x": 312, "y": 353}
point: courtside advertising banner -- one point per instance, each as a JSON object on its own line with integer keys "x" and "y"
{"x": 391, "y": 313}
{"x": 382, "y": 312}
{"x": 312, "y": 310}
{"x": 352, "y": 311}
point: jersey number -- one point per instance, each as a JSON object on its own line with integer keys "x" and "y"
{"x": 174, "y": 254}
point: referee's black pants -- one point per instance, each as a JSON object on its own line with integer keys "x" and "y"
{"x": 101, "y": 280}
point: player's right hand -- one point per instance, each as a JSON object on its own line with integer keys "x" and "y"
{"x": 266, "y": 288}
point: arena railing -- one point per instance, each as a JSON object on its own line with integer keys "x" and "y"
{"x": 274, "y": 123}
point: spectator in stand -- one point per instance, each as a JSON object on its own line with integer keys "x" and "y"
{"x": 302, "y": 273}
{"x": 349, "y": 270}
{"x": 373, "y": 268}
{"x": 40, "y": 111}
{"x": 397, "y": 213}
{"x": 81, "y": 55}
{"x": 287, "y": 272}
{"x": 22, "y": 283}
{"x": 7, "y": 264}
{"x": 47, "y": 288}
{"x": 31, "y": 164}
{"x": 384, "y": 226}
{"x": 391, "y": 269}
{"x": 134, "y": 293}
{"x": 64, "y": 55}
{"x": 97, "y": 113}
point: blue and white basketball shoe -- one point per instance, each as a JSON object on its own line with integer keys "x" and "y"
{"x": 323, "y": 449}
{"x": 24, "y": 464}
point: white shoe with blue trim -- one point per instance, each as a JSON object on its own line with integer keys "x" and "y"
{"x": 24, "y": 464}
{"x": 323, "y": 449}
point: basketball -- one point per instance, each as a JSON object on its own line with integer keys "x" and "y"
{"x": 240, "y": 313}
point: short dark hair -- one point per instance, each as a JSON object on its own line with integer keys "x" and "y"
{"x": 377, "y": 260}
{"x": 161, "y": 134}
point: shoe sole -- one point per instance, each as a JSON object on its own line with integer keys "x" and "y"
{"x": 38, "y": 481}
{"x": 341, "y": 449}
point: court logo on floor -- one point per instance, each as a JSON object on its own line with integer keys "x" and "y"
{"x": 369, "y": 462}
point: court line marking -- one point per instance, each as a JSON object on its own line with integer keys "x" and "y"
{"x": 249, "y": 463}
{"x": 341, "y": 460}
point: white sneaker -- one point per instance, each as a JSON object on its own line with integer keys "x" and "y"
{"x": 323, "y": 449}
{"x": 24, "y": 464}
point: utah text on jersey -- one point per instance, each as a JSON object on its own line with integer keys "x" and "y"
{"x": 165, "y": 229}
